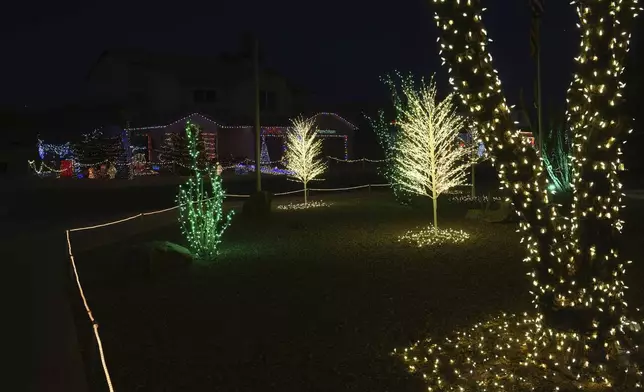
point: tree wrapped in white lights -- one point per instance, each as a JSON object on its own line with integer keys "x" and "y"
{"x": 303, "y": 153}
{"x": 201, "y": 216}
{"x": 580, "y": 336}
{"x": 429, "y": 156}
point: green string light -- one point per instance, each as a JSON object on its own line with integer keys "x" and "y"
{"x": 201, "y": 216}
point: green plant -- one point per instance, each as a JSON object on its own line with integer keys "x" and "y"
{"x": 201, "y": 215}
{"x": 557, "y": 161}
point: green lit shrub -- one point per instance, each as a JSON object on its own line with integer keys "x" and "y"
{"x": 201, "y": 216}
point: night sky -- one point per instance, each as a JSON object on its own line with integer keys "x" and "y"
{"x": 337, "y": 49}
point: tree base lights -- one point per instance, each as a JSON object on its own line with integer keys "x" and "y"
{"x": 304, "y": 206}
{"x": 432, "y": 236}
{"x": 515, "y": 353}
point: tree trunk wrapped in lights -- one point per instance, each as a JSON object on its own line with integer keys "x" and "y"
{"x": 201, "y": 216}
{"x": 428, "y": 157}
{"x": 303, "y": 153}
{"x": 580, "y": 336}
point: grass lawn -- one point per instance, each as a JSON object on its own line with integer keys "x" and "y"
{"x": 312, "y": 300}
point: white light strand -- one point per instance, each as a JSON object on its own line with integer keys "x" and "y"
{"x": 219, "y": 125}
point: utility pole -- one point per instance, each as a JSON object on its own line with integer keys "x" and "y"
{"x": 126, "y": 141}
{"x": 535, "y": 41}
{"x": 258, "y": 130}
{"x": 539, "y": 105}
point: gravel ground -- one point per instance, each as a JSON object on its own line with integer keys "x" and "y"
{"x": 309, "y": 301}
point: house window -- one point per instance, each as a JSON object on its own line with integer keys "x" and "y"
{"x": 267, "y": 100}
{"x": 204, "y": 96}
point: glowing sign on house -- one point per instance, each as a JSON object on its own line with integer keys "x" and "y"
{"x": 326, "y": 131}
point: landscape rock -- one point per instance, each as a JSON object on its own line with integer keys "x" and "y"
{"x": 504, "y": 213}
{"x": 158, "y": 258}
{"x": 167, "y": 257}
{"x": 474, "y": 214}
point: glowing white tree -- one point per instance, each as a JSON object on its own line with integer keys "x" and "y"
{"x": 429, "y": 156}
{"x": 303, "y": 152}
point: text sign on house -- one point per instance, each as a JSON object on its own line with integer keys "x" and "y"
{"x": 326, "y": 131}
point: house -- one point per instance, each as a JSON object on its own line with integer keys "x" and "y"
{"x": 232, "y": 142}
{"x": 157, "y": 88}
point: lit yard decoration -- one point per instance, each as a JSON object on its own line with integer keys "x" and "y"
{"x": 433, "y": 236}
{"x": 202, "y": 219}
{"x": 428, "y": 157}
{"x": 265, "y": 160}
{"x": 580, "y": 336}
{"x": 304, "y": 206}
{"x": 303, "y": 152}
{"x": 474, "y": 199}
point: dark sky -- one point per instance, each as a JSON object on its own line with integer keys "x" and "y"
{"x": 338, "y": 49}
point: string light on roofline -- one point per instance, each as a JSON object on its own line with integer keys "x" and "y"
{"x": 219, "y": 125}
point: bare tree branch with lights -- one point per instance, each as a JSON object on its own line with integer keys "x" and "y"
{"x": 304, "y": 152}
{"x": 385, "y": 131}
{"x": 580, "y": 336}
{"x": 428, "y": 155}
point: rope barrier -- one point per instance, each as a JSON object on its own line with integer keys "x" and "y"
{"x": 98, "y": 226}
{"x": 340, "y": 189}
{"x": 288, "y": 193}
{"x": 97, "y": 336}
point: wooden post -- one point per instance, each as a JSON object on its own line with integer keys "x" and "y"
{"x": 258, "y": 147}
